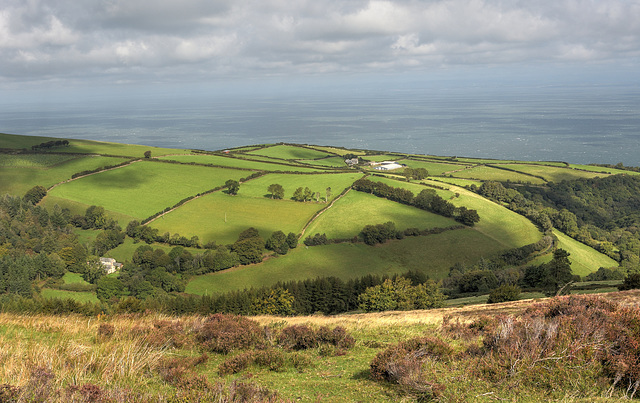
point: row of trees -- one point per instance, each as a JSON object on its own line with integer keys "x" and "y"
{"x": 50, "y": 144}
{"x": 427, "y": 200}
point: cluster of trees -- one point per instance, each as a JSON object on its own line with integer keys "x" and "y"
{"x": 379, "y": 233}
{"x": 488, "y": 275}
{"x": 50, "y": 144}
{"x": 35, "y": 194}
{"x": 399, "y": 294}
{"x": 415, "y": 173}
{"x": 600, "y": 212}
{"x": 427, "y": 200}
{"x": 306, "y": 194}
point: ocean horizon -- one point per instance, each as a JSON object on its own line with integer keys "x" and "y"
{"x": 593, "y": 124}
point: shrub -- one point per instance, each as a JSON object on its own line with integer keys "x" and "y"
{"x": 223, "y": 333}
{"x": 504, "y": 293}
{"x": 403, "y": 364}
{"x": 385, "y": 365}
{"x": 105, "y": 330}
{"x": 298, "y": 337}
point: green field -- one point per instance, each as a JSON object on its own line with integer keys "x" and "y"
{"x": 611, "y": 171}
{"x": 33, "y": 160}
{"x": 334, "y": 162}
{"x": 434, "y": 168}
{"x": 584, "y": 259}
{"x": 287, "y": 152}
{"x": 17, "y": 180}
{"x": 144, "y": 188}
{"x": 456, "y": 181}
{"x": 486, "y": 173}
{"x": 430, "y": 254}
{"x": 20, "y": 141}
{"x": 552, "y": 174}
{"x": 237, "y": 163}
{"x": 351, "y": 213}
{"x": 316, "y": 183}
{"x": 84, "y": 296}
{"x": 220, "y": 217}
{"x": 252, "y": 207}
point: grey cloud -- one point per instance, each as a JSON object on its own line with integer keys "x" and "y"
{"x": 211, "y": 39}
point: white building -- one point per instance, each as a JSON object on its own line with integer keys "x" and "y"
{"x": 110, "y": 265}
{"x": 388, "y": 166}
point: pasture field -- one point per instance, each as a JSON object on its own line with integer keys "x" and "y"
{"x": 33, "y": 160}
{"x": 611, "y": 171}
{"x": 290, "y": 182}
{"x": 287, "y": 152}
{"x": 430, "y": 254}
{"x": 144, "y": 188}
{"x": 584, "y": 259}
{"x": 552, "y": 174}
{"x": 434, "y": 168}
{"x": 80, "y": 296}
{"x": 507, "y": 228}
{"x": 17, "y": 180}
{"x": 117, "y": 149}
{"x": 351, "y": 213}
{"x": 339, "y": 151}
{"x": 383, "y": 157}
{"x": 18, "y": 142}
{"x": 236, "y": 163}
{"x": 456, "y": 181}
{"x": 73, "y": 278}
{"x": 333, "y": 162}
{"x": 415, "y": 187}
{"x": 220, "y": 217}
{"x": 486, "y": 173}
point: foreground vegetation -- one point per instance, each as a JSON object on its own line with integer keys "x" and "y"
{"x": 568, "y": 349}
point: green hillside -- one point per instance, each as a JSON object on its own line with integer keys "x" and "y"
{"x": 185, "y": 194}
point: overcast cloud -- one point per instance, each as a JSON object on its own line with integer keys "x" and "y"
{"x": 169, "y": 40}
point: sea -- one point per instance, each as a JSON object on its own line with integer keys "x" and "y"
{"x": 576, "y": 124}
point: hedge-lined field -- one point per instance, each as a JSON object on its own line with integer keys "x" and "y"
{"x": 205, "y": 217}
{"x": 356, "y": 209}
{"x": 144, "y": 188}
{"x": 287, "y": 152}
{"x": 552, "y": 174}
{"x": 19, "y": 179}
{"x": 236, "y": 163}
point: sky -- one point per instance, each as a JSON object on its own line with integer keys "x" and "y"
{"x": 62, "y": 46}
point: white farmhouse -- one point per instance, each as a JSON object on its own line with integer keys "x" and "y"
{"x": 110, "y": 265}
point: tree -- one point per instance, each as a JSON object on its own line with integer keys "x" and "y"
{"x": 328, "y": 194}
{"x": 298, "y": 195}
{"x": 277, "y": 302}
{"x": 35, "y": 194}
{"x": 308, "y": 194}
{"x": 147, "y": 154}
{"x": 94, "y": 272}
{"x": 232, "y": 186}
{"x": 276, "y": 190}
{"x": 109, "y": 287}
{"x": 504, "y": 293}
{"x": 95, "y": 217}
{"x": 401, "y": 295}
{"x": 278, "y": 243}
{"x": 558, "y": 270}
{"x": 292, "y": 240}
